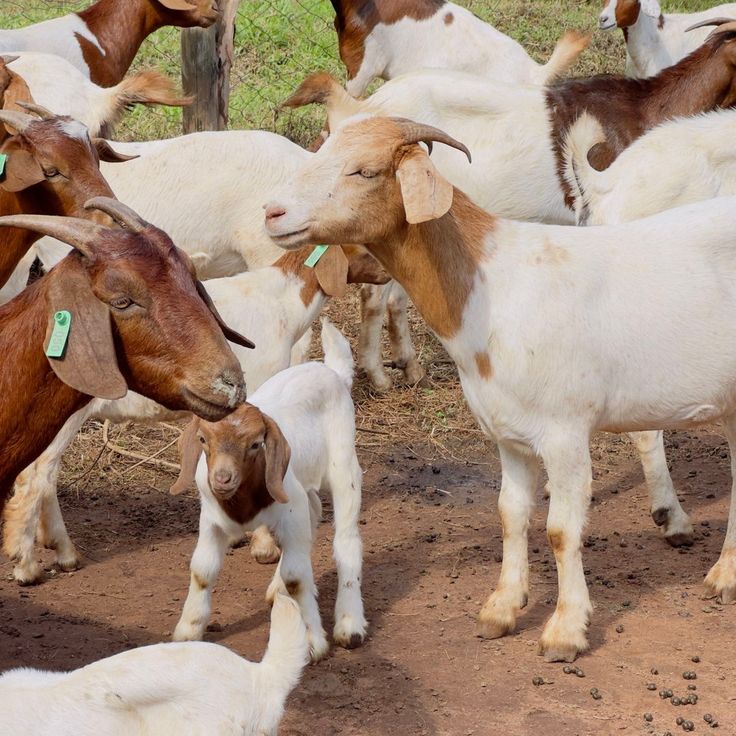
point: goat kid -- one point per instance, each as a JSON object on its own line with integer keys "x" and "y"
{"x": 294, "y": 438}
{"x": 164, "y": 689}
{"x": 556, "y": 332}
{"x": 139, "y": 320}
{"x": 274, "y": 305}
{"x": 102, "y": 40}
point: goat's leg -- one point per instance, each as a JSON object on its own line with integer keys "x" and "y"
{"x": 721, "y": 579}
{"x": 212, "y": 544}
{"x": 373, "y": 301}
{"x": 520, "y": 471}
{"x": 568, "y": 466}
{"x": 301, "y": 348}
{"x": 263, "y": 547}
{"x": 400, "y": 335}
{"x": 344, "y": 478}
{"x": 666, "y": 509}
{"x": 53, "y": 533}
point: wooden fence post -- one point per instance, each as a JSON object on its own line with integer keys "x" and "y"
{"x": 206, "y": 58}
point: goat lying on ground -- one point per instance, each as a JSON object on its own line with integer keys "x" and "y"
{"x": 127, "y": 313}
{"x": 383, "y": 39}
{"x": 295, "y": 437}
{"x": 556, "y": 332}
{"x": 274, "y": 305}
{"x": 655, "y": 41}
{"x": 102, "y": 40}
{"x": 194, "y": 688}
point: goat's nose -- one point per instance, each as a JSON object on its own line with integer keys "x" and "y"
{"x": 603, "y": 20}
{"x": 231, "y": 383}
{"x": 273, "y": 212}
{"x": 223, "y": 476}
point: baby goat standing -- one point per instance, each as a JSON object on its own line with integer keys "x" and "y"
{"x": 295, "y": 437}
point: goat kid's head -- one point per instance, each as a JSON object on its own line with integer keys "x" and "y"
{"x": 245, "y": 450}
{"x": 51, "y": 164}
{"x": 139, "y": 318}
{"x": 625, "y": 13}
{"x": 186, "y": 14}
{"x": 369, "y": 178}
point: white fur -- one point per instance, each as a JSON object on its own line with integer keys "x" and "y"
{"x": 169, "y": 689}
{"x": 649, "y": 48}
{"x": 312, "y": 406}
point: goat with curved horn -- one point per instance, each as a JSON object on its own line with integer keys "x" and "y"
{"x": 80, "y": 234}
{"x": 17, "y": 120}
{"x": 121, "y": 213}
{"x": 43, "y": 112}
{"x": 710, "y": 22}
{"x": 420, "y": 133}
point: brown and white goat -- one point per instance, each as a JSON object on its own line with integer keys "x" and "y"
{"x": 139, "y": 320}
{"x": 52, "y": 167}
{"x": 102, "y": 40}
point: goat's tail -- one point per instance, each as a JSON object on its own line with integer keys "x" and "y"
{"x": 143, "y": 88}
{"x": 323, "y": 89}
{"x": 565, "y": 54}
{"x": 288, "y": 647}
{"x": 338, "y": 355}
{"x": 584, "y": 133}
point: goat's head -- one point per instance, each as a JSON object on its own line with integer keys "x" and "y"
{"x": 716, "y": 58}
{"x": 140, "y": 319}
{"x": 245, "y": 451}
{"x": 368, "y": 179}
{"x": 186, "y": 14}
{"x": 625, "y": 13}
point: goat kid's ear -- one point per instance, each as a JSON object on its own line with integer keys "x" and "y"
{"x": 278, "y": 454}
{"x": 332, "y": 271}
{"x": 363, "y": 268}
{"x": 426, "y": 193}
{"x": 107, "y": 153}
{"x": 650, "y": 8}
{"x": 21, "y": 168}
{"x": 229, "y": 333}
{"x": 89, "y": 362}
{"x": 190, "y": 448}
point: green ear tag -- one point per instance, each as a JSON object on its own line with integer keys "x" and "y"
{"x": 60, "y": 334}
{"x": 3, "y": 159}
{"x": 315, "y": 255}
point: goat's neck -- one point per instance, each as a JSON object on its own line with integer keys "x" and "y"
{"x": 120, "y": 27}
{"x": 310, "y": 292}
{"x": 14, "y": 242}
{"x": 34, "y": 403}
{"x": 439, "y": 262}
{"x": 645, "y": 46}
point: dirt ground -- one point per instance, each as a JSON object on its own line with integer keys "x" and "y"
{"x": 432, "y": 553}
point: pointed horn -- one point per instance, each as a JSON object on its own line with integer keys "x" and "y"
{"x": 709, "y": 22}
{"x": 42, "y": 112}
{"x": 17, "y": 120}
{"x": 121, "y": 213}
{"x": 419, "y": 133}
{"x": 82, "y": 235}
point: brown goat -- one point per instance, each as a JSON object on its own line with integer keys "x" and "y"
{"x": 139, "y": 320}
{"x": 53, "y": 168}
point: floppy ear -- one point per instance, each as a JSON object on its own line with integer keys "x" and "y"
{"x": 363, "y": 268}
{"x": 16, "y": 91}
{"x": 107, "y": 153}
{"x": 89, "y": 363}
{"x": 650, "y": 8}
{"x": 190, "y": 448}
{"x": 229, "y": 333}
{"x": 278, "y": 454}
{"x": 426, "y": 193}
{"x": 178, "y": 5}
{"x": 21, "y": 168}
{"x": 332, "y": 271}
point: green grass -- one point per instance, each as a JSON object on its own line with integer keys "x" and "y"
{"x": 279, "y": 42}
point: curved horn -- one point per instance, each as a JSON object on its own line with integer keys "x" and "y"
{"x": 710, "y": 22}
{"x": 42, "y": 112}
{"x": 17, "y": 120}
{"x": 420, "y": 133}
{"x": 121, "y": 213}
{"x": 80, "y": 234}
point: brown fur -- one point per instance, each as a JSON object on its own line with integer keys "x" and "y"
{"x": 556, "y": 541}
{"x": 626, "y": 108}
{"x": 449, "y": 17}
{"x": 483, "y": 364}
{"x": 121, "y": 26}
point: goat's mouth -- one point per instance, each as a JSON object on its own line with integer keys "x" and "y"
{"x": 606, "y": 25}
{"x": 224, "y": 491}
{"x": 291, "y": 240}
{"x": 206, "y": 409}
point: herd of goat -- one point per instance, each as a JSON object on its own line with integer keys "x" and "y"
{"x": 621, "y": 324}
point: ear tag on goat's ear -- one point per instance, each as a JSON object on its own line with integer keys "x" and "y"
{"x": 3, "y": 159}
{"x": 315, "y": 255}
{"x": 60, "y": 334}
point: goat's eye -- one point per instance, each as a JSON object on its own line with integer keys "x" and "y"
{"x": 365, "y": 173}
{"x": 51, "y": 172}
{"x": 202, "y": 440}
{"x": 121, "y": 302}
{"x": 255, "y": 446}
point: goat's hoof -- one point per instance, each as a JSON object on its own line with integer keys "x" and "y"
{"x": 68, "y": 564}
{"x": 318, "y": 648}
{"x": 679, "y": 539}
{"x": 415, "y": 375}
{"x": 676, "y": 524}
{"x": 720, "y": 583}
{"x": 187, "y": 632}
{"x": 380, "y": 382}
{"x": 563, "y": 638}
{"x": 495, "y": 625}
{"x": 347, "y": 634}
{"x": 559, "y": 652}
{"x": 29, "y": 574}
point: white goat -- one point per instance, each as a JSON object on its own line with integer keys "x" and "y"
{"x": 295, "y": 437}
{"x": 383, "y": 40}
{"x": 193, "y": 688}
{"x": 274, "y": 305}
{"x": 655, "y": 40}
{"x": 681, "y": 161}
{"x": 58, "y": 86}
{"x": 557, "y": 332}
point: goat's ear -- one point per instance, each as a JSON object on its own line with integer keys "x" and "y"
{"x": 332, "y": 271}
{"x": 178, "y": 5}
{"x": 650, "y": 8}
{"x": 107, "y": 153}
{"x": 190, "y": 448}
{"x": 278, "y": 454}
{"x": 21, "y": 168}
{"x": 426, "y": 193}
{"x": 88, "y": 363}
{"x": 229, "y": 333}
{"x": 16, "y": 91}
{"x": 363, "y": 268}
